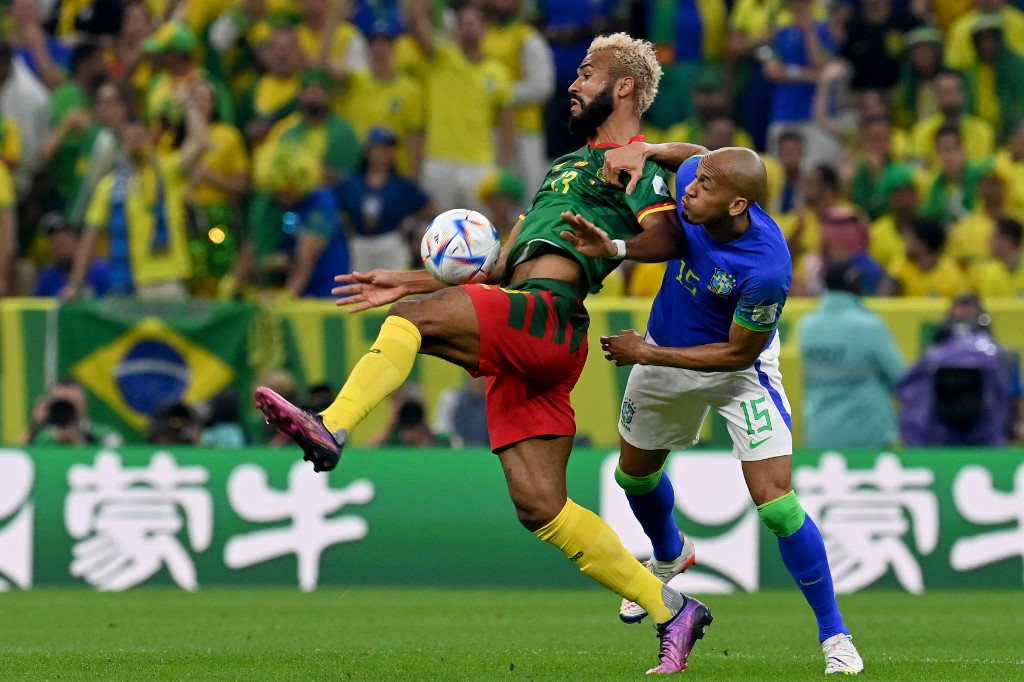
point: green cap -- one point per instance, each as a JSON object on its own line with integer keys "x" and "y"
{"x": 316, "y": 77}
{"x": 923, "y": 36}
{"x": 174, "y": 36}
{"x": 897, "y": 176}
{"x": 989, "y": 21}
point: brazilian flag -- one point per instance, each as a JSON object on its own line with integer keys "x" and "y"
{"x": 134, "y": 356}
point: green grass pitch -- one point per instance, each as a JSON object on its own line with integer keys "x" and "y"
{"x": 436, "y": 634}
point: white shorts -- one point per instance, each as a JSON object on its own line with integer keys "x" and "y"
{"x": 664, "y": 407}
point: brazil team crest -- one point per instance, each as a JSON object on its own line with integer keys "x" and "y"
{"x": 722, "y": 283}
{"x": 628, "y": 410}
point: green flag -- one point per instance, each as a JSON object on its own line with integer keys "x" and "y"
{"x": 134, "y": 356}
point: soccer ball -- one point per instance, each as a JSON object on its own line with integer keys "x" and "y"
{"x": 460, "y": 247}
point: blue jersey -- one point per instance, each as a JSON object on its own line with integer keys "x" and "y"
{"x": 717, "y": 283}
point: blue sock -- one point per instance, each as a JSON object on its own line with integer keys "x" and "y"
{"x": 654, "y": 512}
{"x": 803, "y": 553}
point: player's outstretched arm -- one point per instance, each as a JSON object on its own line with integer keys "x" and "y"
{"x": 365, "y": 290}
{"x": 662, "y": 238}
{"x": 630, "y": 160}
{"x": 739, "y": 352}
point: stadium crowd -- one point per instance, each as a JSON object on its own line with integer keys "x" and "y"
{"x": 246, "y": 148}
{"x": 168, "y": 148}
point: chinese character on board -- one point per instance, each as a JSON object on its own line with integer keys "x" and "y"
{"x": 979, "y": 502}
{"x": 128, "y": 520}
{"x": 868, "y": 517}
{"x": 307, "y": 503}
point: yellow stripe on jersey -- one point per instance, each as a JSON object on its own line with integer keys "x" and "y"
{"x": 654, "y": 209}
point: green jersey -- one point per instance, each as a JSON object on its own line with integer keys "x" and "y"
{"x": 576, "y": 183}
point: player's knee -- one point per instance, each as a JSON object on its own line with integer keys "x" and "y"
{"x": 535, "y": 514}
{"x": 783, "y": 516}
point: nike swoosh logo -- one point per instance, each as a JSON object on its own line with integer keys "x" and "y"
{"x": 813, "y": 582}
{"x": 754, "y": 445}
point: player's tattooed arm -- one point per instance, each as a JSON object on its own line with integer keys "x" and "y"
{"x": 624, "y": 166}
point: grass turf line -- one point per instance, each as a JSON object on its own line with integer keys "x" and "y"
{"x": 435, "y": 634}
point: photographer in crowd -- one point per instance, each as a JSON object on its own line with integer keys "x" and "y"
{"x": 61, "y": 417}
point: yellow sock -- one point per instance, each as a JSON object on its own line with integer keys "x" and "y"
{"x": 377, "y": 375}
{"x": 592, "y": 545}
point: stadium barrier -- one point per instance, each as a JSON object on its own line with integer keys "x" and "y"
{"x": 193, "y": 517}
{"x": 127, "y": 351}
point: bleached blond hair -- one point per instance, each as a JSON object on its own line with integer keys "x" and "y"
{"x": 634, "y": 58}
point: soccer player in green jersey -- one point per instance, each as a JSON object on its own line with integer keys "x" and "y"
{"x": 528, "y": 335}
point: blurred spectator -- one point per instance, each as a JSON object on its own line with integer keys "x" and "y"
{"x": 900, "y": 189}
{"x": 383, "y": 96}
{"x": 960, "y": 50}
{"x": 1010, "y": 164}
{"x": 8, "y": 234}
{"x": 503, "y": 193}
{"x": 914, "y": 97}
{"x": 995, "y": 79}
{"x": 968, "y": 238}
{"x": 687, "y": 35}
{"x": 950, "y": 190}
{"x": 61, "y": 417}
{"x": 1002, "y": 275}
{"x": 462, "y": 414}
{"x": 873, "y": 42}
{"x": 222, "y": 425}
{"x": 174, "y": 424}
{"x": 110, "y": 109}
{"x": 44, "y": 55}
{"x": 851, "y": 368}
{"x": 877, "y": 155}
{"x": 64, "y": 241}
{"x": 459, "y": 149}
{"x": 753, "y": 25}
{"x": 950, "y": 98}
{"x": 216, "y": 166}
{"x": 318, "y": 130}
{"x": 844, "y": 239}
{"x": 382, "y": 208}
{"x": 799, "y": 52}
{"x": 925, "y": 270}
{"x": 328, "y": 40}
{"x": 370, "y": 15}
{"x": 821, "y": 190}
{"x": 139, "y": 209}
{"x": 25, "y": 101}
{"x": 408, "y": 426}
{"x": 711, "y": 99}
{"x": 275, "y": 94}
{"x": 295, "y": 241}
{"x": 965, "y": 390}
{"x": 126, "y": 61}
{"x": 74, "y": 130}
{"x": 521, "y": 48}
{"x": 172, "y": 49}
{"x": 786, "y": 195}
{"x": 569, "y": 26}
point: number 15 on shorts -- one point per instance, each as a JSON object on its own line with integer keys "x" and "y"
{"x": 758, "y": 420}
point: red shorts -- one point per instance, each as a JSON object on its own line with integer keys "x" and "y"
{"x": 533, "y": 345}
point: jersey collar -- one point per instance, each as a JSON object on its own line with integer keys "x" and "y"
{"x": 607, "y": 145}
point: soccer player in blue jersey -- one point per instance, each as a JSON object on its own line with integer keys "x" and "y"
{"x": 712, "y": 343}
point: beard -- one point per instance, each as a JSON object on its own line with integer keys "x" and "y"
{"x": 592, "y": 115}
